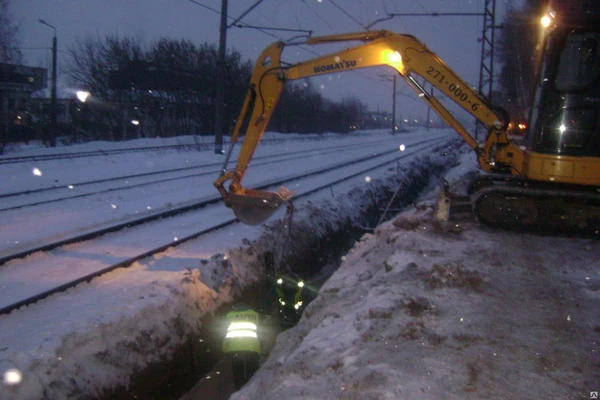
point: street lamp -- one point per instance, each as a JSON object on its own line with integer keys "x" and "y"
{"x": 53, "y": 109}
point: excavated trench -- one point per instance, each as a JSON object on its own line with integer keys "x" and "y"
{"x": 319, "y": 242}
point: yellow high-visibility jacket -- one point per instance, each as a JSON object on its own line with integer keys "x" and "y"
{"x": 241, "y": 333}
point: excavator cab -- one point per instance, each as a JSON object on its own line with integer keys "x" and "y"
{"x": 565, "y": 119}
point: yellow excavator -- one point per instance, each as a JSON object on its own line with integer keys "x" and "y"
{"x": 549, "y": 180}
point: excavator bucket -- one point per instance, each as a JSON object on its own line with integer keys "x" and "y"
{"x": 253, "y": 207}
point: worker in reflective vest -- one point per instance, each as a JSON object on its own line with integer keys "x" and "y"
{"x": 290, "y": 312}
{"x": 241, "y": 343}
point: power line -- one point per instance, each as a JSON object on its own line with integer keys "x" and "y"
{"x": 308, "y": 50}
{"x": 246, "y": 12}
{"x": 317, "y": 15}
{"x": 349, "y": 16}
{"x": 296, "y": 16}
{"x": 205, "y": 6}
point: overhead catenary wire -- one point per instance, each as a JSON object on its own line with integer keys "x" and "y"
{"x": 265, "y": 30}
{"x": 317, "y": 15}
{"x": 348, "y": 14}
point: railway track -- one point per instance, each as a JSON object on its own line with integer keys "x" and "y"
{"x": 199, "y": 146}
{"x": 98, "y": 153}
{"x": 16, "y": 200}
{"x": 117, "y": 246}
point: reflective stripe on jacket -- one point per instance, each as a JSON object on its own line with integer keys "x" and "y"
{"x": 241, "y": 333}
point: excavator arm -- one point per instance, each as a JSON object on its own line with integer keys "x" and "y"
{"x": 405, "y": 54}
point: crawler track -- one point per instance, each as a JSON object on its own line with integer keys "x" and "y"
{"x": 523, "y": 205}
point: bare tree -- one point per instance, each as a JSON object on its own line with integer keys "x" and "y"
{"x": 9, "y": 50}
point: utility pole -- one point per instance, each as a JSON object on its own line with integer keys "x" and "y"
{"x": 387, "y": 79}
{"x": 53, "y": 106}
{"x": 220, "y": 84}
{"x": 486, "y": 69}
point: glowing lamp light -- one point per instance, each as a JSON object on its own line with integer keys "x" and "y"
{"x": 392, "y": 57}
{"x": 562, "y": 128}
{"x": 82, "y": 95}
{"x": 135, "y": 122}
{"x": 546, "y": 21}
{"x": 402, "y": 147}
{"x": 36, "y": 172}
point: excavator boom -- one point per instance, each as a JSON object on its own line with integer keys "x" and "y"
{"x": 405, "y": 53}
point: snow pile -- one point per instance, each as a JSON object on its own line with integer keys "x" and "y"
{"x": 423, "y": 314}
{"x": 91, "y": 339}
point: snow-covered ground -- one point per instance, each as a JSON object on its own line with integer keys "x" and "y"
{"x": 414, "y": 313}
{"x": 411, "y": 313}
{"x": 90, "y": 339}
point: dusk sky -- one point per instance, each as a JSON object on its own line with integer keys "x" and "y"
{"x": 453, "y": 38}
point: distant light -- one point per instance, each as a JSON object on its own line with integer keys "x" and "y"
{"x": 36, "y": 172}
{"x": 114, "y": 206}
{"x": 405, "y": 120}
{"x": 12, "y": 376}
{"x": 82, "y": 95}
{"x": 135, "y": 122}
{"x": 300, "y": 284}
{"x": 562, "y": 128}
{"x": 367, "y": 179}
{"x": 546, "y": 20}
{"x": 149, "y": 208}
{"x": 402, "y": 147}
{"x": 175, "y": 239}
{"x": 71, "y": 187}
{"x": 279, "y": 281}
